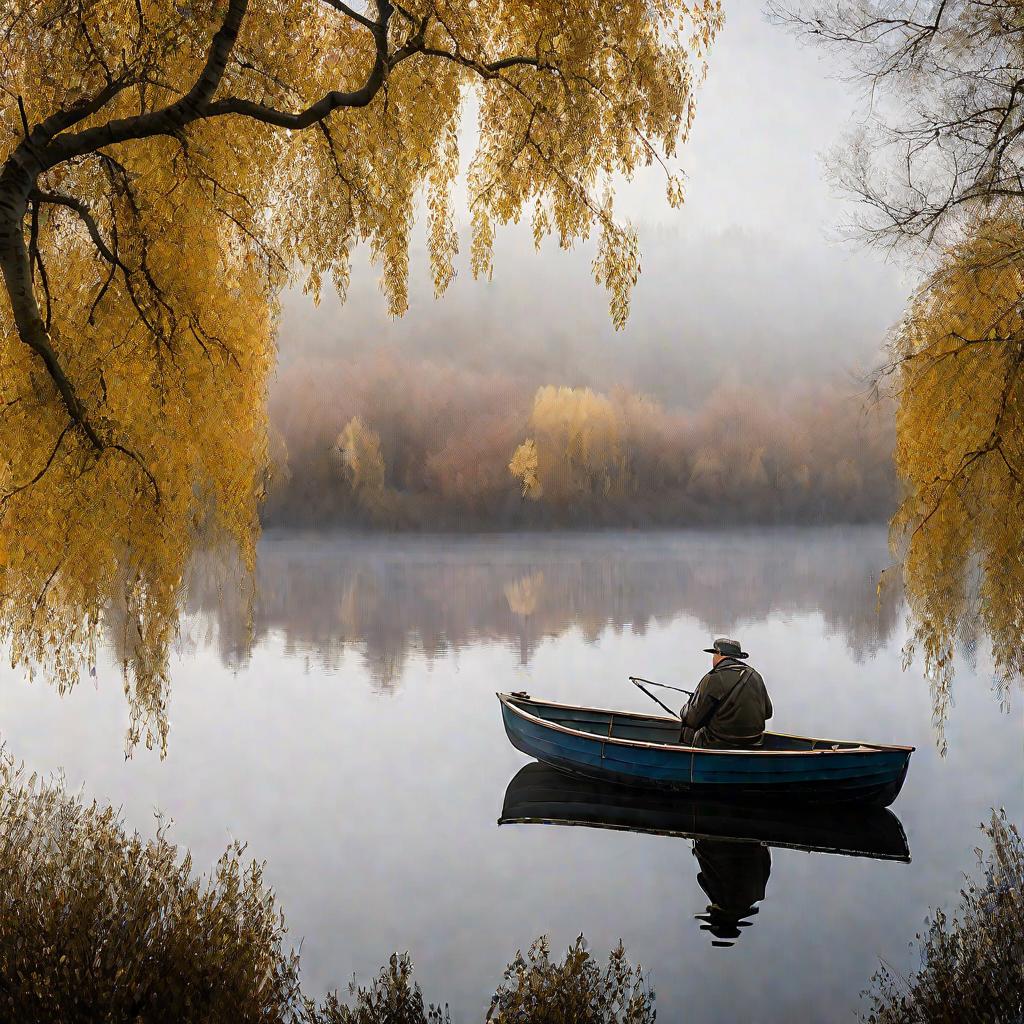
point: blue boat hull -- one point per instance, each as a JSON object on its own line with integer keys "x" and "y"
{"x": 859, "y": 774}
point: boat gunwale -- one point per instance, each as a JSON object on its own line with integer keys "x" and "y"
{"x": 509, "y": 700}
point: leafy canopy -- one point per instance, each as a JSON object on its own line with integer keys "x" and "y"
{"x": 168, "y": 168}
{"x": 960, "y": 446}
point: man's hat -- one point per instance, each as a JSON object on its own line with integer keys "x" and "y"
{"x": 730, "y": 648}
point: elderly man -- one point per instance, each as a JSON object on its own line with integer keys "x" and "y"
{"x": 730, "y": 705}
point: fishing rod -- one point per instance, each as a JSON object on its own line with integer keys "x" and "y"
{"x": 638, "y": 682}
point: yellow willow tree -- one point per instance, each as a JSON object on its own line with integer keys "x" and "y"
{"x": 960, "y": 442}
{"x": 168, "y": 168}
{"x": 938, "y": 170}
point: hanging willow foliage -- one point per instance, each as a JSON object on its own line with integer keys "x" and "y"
{"x": 938, "y": 172}
{"x": 166, "y": 169}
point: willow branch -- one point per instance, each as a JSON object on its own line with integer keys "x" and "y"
{"x": 344, "y": 8}
{"x": 42, "y": 472}
{"x": 84, "y": 213}
{"x": 166, "y": 120}
{"x": 50, "y": 144}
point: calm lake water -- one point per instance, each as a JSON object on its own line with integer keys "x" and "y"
{"x": 354, "y": 742}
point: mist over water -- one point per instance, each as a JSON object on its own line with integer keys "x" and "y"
{"x": 728, "y": 302}
{"x": 716, "y": 468}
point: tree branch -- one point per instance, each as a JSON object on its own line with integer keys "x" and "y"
{"x": 42, "y": 472}
{"x": 50, "y": 144}
{"x": 344, "y": 8}
{"x": 84, "y": 108}
{"x": 167, "y": 120}
{"x": 137, "y": 459}
{"x": 83, "y": 211}
{"x": 328, "y": 103}
{"x": 110, "y": 255}
{"x": 15, "y": 267}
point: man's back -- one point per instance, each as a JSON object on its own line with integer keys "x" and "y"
{"x": 730, "y": 707}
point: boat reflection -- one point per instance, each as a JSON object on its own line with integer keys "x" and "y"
{"x": 731, "y": 842}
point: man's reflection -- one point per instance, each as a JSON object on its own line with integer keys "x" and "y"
{"x": 734, "y": 877}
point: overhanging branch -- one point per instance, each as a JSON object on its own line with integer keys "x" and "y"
{"x": 51, "y": 144}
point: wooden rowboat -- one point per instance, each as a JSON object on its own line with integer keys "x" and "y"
{"x": 643, "y": 751}
{"x": 539, "y": 794}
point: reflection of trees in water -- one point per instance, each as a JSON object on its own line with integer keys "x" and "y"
{"x": 388, "y": 597}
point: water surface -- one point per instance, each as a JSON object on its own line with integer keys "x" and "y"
{"x": 352, "y": 738}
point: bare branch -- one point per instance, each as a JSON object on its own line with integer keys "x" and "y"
{"x": 942, "y": 142}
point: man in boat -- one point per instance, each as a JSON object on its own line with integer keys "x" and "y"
{"x": 730, "y": 705}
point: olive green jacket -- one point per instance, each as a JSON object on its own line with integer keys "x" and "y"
{"x": 732, "y": 716}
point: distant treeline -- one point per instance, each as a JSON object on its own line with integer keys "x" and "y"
{"x": 393, "y": 442}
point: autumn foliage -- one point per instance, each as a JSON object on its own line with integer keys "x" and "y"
{"x": 167, "y": 169}
{"x": 938, "y": 171}
{"x": 388, "y": 443}
{"x": 961, "y": 446}
{"x": 100, "y": 923}
{"x": 971, "y": 963}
